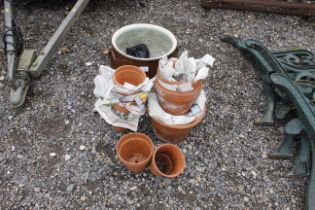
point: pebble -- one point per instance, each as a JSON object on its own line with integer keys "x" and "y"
{"x": 82, "y": 147}
{"x": 83, "y": 198}
{"x": 246, "y": 199}
{"x": 130, "y": 202}
{"x": 134, "y": 188}
{"x": 106, "y": 51}
{"x": 70, "y": 187}
{"x": 200, "y": 169}
{"x": 88, "y": 64}
{"x": 52, "y": 154}
{"x": 241, "y": 188}
{"x": 264, "y": 155}
{"x": 67, "y": 157}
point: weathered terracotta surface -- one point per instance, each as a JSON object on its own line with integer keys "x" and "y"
{"x": 168, "y": 161}
{"x": 175, "y": 102}
{"x": 135, "y": 151}
{"x": 174, "y": 133}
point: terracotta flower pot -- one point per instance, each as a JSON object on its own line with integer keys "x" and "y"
{"x": 130, "y": 74}
{"x": 175, "y": 102}
{"x": 168, "y": 161}
{"x": 175, "y": 133}
{"x": 160, "y": 41}
{"x": 135, "y": 151}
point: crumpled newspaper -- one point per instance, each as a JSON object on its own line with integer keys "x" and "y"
{"x": 156, "y": 111}
{"x": 185, "y": 70}
{"x": 129, "y": 96}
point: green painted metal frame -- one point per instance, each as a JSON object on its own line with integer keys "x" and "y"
{"x": 290, "y": 77}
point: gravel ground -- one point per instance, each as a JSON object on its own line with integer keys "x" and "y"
{"x": 225, "y": 168}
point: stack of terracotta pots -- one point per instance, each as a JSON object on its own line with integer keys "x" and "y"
{"x": 176, "y": 103}
{"x": 126, "y": 74}
{"x": 136, "y": 152}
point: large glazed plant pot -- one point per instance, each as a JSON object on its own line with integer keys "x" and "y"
{"x": 175, "y": 133}
{"x": 160, "y": 42}
{"x": 176, "y": 102}
{"x": 135, "y": 151}
{"x": 168, "y": 161}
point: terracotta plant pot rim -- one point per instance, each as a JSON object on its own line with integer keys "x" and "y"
{"x": 193, "y": 124}
{"x": 196, "y": 85}
{"x": 133, "y": 68}
{"x": 149, "y": 26}
{"x": 123, "y": 140}
{"x": 163, "y": 174}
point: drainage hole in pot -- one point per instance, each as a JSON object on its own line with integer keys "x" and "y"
{"x": 136, "y": 157}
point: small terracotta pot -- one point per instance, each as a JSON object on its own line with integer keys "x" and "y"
{"x": 175, "y": 102}
{"x": 175, "y": 133}
{"x": 130, "y": 74}
{"x": 168, "y": 161}
{"x": 160, "y": 41}
{"x": 135, "y": 151}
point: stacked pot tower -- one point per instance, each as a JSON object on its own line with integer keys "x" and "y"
{"x": 178, "y": 104}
